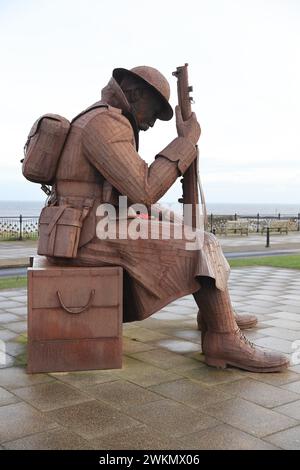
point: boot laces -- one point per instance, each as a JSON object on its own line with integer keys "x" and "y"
{"x": 245, "y": 339}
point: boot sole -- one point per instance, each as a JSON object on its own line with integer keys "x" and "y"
{"x": 222, "y": 364}
{"x": 246, "y": 326}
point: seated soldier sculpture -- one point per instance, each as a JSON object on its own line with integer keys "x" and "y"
{"x": 99, "y": 164}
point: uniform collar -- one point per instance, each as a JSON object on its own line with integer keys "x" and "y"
{"x": 113, "y": 95}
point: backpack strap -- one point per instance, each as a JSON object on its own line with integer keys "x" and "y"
{"x": 129, "y": 116}
{"x": 98, "y": 104}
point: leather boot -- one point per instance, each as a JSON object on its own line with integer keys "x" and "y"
{"x": 244, "y": 321}
{"x": 223, "y": 342}
{"x": 234, "y": 349}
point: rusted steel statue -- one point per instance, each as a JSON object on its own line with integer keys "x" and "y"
{"x": 100, "y": 162}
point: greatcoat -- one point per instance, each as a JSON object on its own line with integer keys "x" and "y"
{"x": 100, "y": 161}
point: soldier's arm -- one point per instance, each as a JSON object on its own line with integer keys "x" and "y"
{"x": 109, "y": 146}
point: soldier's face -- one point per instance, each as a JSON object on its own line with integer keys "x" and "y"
{"x": 144, "y": 101}
{"x": 147, "y": 108}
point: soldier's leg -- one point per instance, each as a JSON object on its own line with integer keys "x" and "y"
{"x": 223, "y": 342}
{"x": 244, "y": 321}
{"x": 214, "y": 251}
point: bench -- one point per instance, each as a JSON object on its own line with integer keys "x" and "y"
{"x": 74, "y": 317}
{"x": 237, "y": 226}
{"x": 276, "y": 226}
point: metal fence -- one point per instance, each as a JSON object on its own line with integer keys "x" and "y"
{"x": 26, "y": 227}
{"x": 19, "y": 228}
{"x": 257, "y": 222}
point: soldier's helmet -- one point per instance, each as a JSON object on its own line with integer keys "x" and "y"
{"x": 153, "y": 78}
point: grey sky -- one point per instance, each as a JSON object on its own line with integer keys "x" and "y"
{"x": 244, "y": 65}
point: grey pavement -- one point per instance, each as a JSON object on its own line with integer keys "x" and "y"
{"x": 18, "y": 253}
{"x": 164, "y": 397}
{"x": 12, "y": 272}
{"x": 251, "y": 254}
{"x": 257, "y": 242}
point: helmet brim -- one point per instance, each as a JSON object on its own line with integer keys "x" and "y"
{"x": 166, "y": 112}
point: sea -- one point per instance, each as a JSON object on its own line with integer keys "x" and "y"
{"x": 33, "y": 208}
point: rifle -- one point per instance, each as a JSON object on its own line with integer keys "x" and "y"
{"x": 190, "y": 180}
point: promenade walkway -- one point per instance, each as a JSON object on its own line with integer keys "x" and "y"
{"x": 18, "y": 253}
{"x": 164, "y": 397}
{"x": 257, "y": 242}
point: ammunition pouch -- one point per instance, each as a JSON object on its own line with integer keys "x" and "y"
{"x": 59, "y": 230}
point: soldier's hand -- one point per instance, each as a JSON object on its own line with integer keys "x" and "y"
{"x": 190, "y": 129}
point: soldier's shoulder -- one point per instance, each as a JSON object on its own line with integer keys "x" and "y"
{"x": 104, "y": 113}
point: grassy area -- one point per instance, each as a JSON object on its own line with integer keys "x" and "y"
{"x": 15, "y": 238}
{"x": 13, "y": 282}
{"x": 284, "y": 261}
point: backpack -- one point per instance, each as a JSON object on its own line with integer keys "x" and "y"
{"x": 43, "y": 148}
{"x": 45, "y": 144}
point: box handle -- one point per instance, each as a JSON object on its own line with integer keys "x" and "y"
{"x": 76, "y": 309}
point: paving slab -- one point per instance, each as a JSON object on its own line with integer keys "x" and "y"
{"x": 164, "y": 396}
{"x": 92, "y": 419}
{"x": 251, "y": 418}
{"x": 288, "y": 439}
{"x": 19, "y": 419}
{"x": 260, "y": 393}
{"x": 172, "y": 418}
{"x": 224, "y": 437}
